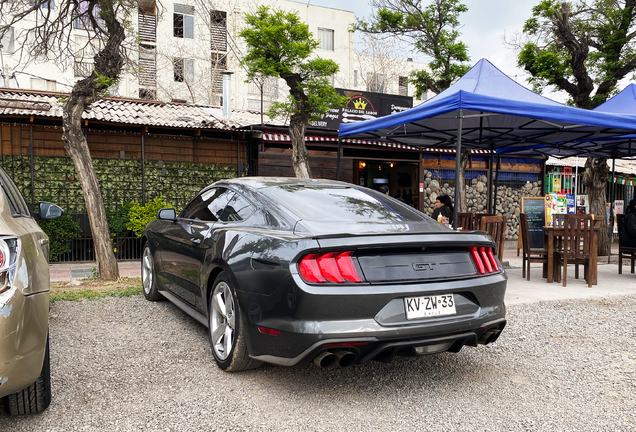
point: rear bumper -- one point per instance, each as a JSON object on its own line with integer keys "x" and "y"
{"x": 23, "y": 333}
{"x": 370, "y": 321}
{"x": 371, "y": 348}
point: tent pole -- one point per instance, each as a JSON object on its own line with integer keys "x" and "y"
{"x": 458, "y": 152}
{"x": 338, "y": 160}
{"x": 490, "y": 182}
{"x": 611, "y": 225}
{"x": 576, "y": 176}
{"x": 494, "y": 195}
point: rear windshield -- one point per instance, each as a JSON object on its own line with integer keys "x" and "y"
{"x": 334, "y": 203}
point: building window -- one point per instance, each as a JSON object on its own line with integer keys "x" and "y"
{"x": 147, "y": 94}
{"x": 84, "y": 53}
{"x": 147, "y": 65}
{"x": 355, "y": 78}
{"x": 8, "y": 41}
{"x": 82, "y": 69}
{"x": 84, "y": 49}
{"x": 183, "y": 21}
{"x": 325, "y": 37}
{"x": 219, "y": 64}
{"x": 82, "y": 17}
{"x": 403, "y": 86}
{"x": 376, "y": 82}
{"x": 183, "y": 70}
{"x": 43, "y": 84}
{"x": 147, "y": 23}
{"x": 270, "y": 87}
{"x": 218, "y": 30}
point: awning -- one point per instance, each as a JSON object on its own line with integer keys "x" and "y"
{"x": 283, "y": 137}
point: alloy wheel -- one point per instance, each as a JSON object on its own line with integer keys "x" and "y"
{"x": 222, "y": 320}
{"x": 146, "y": 271}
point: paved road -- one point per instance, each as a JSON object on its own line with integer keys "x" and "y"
{"x": 126, "y": 364}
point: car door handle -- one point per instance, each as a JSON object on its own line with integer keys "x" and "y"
{"x": 44, "y": 242}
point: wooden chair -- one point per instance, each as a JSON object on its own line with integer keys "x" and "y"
{"x": 624, "y": 252}
{"x": 466, "y": 221}
{"x": 496, "y": 227}
{"x": 530, "y": 255}
{"x": 478, "y": 217}
{"x": 577, "y": 242}
{"x": 558, "y": 220}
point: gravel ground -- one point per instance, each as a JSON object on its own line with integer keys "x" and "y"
{"x": 124, "y": 364}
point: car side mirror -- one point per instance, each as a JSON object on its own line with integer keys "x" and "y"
{"x": 167, "y": 214}
{"x": 49, "y": 211}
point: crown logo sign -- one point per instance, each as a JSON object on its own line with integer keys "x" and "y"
{"x": 360, "y": 104}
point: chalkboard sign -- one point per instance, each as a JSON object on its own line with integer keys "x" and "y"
{"x": 534, "y": 208}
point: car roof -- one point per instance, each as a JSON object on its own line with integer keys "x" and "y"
{"x": 264, "y": 182}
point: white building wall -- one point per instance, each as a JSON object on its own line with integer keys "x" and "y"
{"x": 60, "y": 74}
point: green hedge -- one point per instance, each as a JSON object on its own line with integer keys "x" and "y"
{"x": 120, "y": 180}
{"x": 121, "y": 184}
{"x": 61, "y": 232}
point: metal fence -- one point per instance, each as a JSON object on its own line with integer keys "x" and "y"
{"x": 83, "y": 249}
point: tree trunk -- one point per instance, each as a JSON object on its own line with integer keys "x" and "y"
{"x": 108, "y": 66}
{"x": 300, "y": 155}
{"x": 77, "y": 148}
{"x": 462, "y": 207}
{"x": 595, "y": 178}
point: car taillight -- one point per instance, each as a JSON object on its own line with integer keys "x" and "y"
{"x": 484, "y": 260}
{"x": 335, "y": 267}
{"x": 8, "y": 254}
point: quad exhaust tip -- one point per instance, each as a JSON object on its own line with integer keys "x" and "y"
{"x": 489, "y": 337}
{"x": 342, "y": 358}
{"x": 326, "y": 360}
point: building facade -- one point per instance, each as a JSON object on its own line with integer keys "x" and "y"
{"x": 181, "y": 49}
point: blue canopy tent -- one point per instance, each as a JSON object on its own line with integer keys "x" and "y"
{"x": 488, "y": 110}
{"x": 624, "y": 103}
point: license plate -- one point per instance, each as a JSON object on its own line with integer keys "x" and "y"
{"x": 428, "y": 306}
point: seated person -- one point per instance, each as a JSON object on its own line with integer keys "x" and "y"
{"x": 443, "y": 206}
{"x": 628, "y": 230}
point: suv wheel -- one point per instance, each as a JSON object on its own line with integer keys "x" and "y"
{"x": 36, "y": 397}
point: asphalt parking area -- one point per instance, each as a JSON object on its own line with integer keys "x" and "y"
{"x": 123, "y": 364}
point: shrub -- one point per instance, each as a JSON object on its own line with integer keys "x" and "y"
{"x": 118, "y": 220}
{"x": 140, "y": 215}
{"x": 60, "y": 231}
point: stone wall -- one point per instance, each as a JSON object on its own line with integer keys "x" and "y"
{"x": 508, "y": 199}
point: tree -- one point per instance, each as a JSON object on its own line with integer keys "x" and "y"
{"x": 279, "y": 45}
{"x": 595, "y": 178}
{"x": 432, "y": 28}
{"x": 50, "y": 37}
{"x": 583, "y": 48}
{"x": 379, "y": 70}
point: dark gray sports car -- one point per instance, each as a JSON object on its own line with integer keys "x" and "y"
{"x": 284, "y": 271}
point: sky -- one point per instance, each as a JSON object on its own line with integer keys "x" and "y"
{"x": 483, "y": 29}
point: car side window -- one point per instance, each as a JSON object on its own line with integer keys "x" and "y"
{"x": 237, "y": 209}
{"x": 17, "y": 204}
{"x": 208, "y": 205}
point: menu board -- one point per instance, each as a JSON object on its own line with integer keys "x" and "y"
{"x": 534, "y": 208}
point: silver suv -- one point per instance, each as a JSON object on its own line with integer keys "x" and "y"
{"x": 25, "y": 381}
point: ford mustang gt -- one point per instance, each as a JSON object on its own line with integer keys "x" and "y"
{"x": 286, "y": 270}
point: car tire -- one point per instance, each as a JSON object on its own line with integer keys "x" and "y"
{"x": 148, "y": 278}
{"x": 36, "y": 397}
{"x": 227, "y": 328}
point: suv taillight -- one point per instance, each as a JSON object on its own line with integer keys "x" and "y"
{"x": 8, "y": 255}
{"x": 484, "y": 260}
{"x": 329, "y": 267}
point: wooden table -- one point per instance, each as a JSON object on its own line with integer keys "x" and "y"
{"x": 550, "y": 233}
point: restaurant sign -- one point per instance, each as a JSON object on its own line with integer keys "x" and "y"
{"x": 361, "y": 106}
